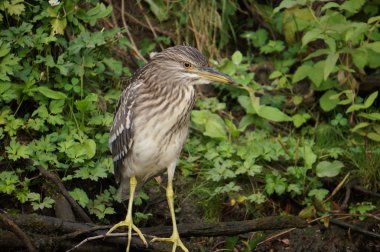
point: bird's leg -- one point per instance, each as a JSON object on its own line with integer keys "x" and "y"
{"x": 174, "y": 238}
{"x": 128, "y": 219}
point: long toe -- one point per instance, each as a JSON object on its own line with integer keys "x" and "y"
{"x": 173, "y": 239}
{"x": 130, "y": 225}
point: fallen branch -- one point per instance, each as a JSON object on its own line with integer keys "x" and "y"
{"x": 69, "y": 231}
{"x": 78, "y": 210}
{"x": 18, "y": 232}
{"x": 355, "y": 228}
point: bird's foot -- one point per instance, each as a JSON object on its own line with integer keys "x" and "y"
{"x": 174, "y": 238}
{"x": 129, "y": 223}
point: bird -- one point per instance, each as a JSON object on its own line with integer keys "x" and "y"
{"x": 151, "y": 124}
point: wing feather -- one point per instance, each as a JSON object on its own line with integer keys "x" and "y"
{"x": 121, "y": 134}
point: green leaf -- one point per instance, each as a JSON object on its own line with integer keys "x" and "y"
{"x": 273, "y": 114}
{"x": 375, "y": 46}
{"x": 215, "y": 127}
{"x": 311, "y": 36}
{"x": 14, "y": 7}
{"x": 287, "y": 4}
{"x": 159, "y": 9}
{"x": 90, "y": 146}
{"x": 330, "y": 63}
{"x": 319, "y": 194}
{"x": 326, "y": 103}
{"x": 352, "y": 6}
{"x": 56, "y": 106}
{"x": 16, "y": 151}
{"x": 300, "y": 119}
{"x": 374, "y": 136}
{"x": 301, "y": 73}
{"x": 329, "y": 169}
{"x": 360, "y": 126}
{"x": 373, "y": 19}
{"x": 8, "y": 182}
{"x": 58, "y": 26}
{"x": 370, "y": 116}
{"x": 49, "y": 93}
{"x": 369, "y": 101}
{"x": 80, "y": 196}
{"x": 246, "y": 103}
{"x": 308, "y": 155}
{"x": 297, "y": 99}
{"x": 237, "y": 57}
{"x": 360, "y": 57}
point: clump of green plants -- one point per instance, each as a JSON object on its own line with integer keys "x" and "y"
{"x": 59, "y": 84}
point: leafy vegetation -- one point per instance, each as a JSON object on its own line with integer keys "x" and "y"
{"x": 302, "y": 120}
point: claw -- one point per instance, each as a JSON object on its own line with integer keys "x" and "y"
{"x": 128, "y": 222}
{"x": 174, "y": 238}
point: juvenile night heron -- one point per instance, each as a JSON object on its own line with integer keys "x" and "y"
{"x": 151, "y": 124}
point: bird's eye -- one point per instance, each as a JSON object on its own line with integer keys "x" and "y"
{"x": 187, "y": 64}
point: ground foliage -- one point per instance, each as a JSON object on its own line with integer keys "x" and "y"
{"x": 301, "y": 120}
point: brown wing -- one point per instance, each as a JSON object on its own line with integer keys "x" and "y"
{"x": 121, "y": 134}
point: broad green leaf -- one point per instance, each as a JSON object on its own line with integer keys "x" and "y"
{"x": 301, "y": 73}
{"x": 275, "y": 75}
{"x": 360, "y": 126}
{"x": 49, "y": 93}
{"x": 4, "y": 49}
{"x": 370, "y": 116}
{"x": 199, "y": 117}
{"x": 374, "y": 136}
{"x": 90, "y": 146}
{"x": 369, "y": 101}
{"x": 330, "y": 63}
{"x": 215, "y": 127}
{"x": 319, "y": 194}
{"x": 273, "y": 114}
{"x": 299, "y": 119}
{"x": 80, "y": 196}
{"x": 58, "y": 26}
{"x": 375, "y": 46}
{"x": 297, "y": 99}
{"x": 311, "y": 36}
{"x": 159, "y": 9}
{"x": 246, "y": 103}
{"x": 309, "y": 156}
{"x": 373, "y": 19}
{"x": 352, "y": 6}
{"x": 237, "y": 57}
{"x": 329, "y": 169}
{"x": 286, "y": 4}
{"x": 360, "y": 57}
{"x": 56, "y": 106}
{"x": 316, "y": 73}
{"x": 326, "y": 103}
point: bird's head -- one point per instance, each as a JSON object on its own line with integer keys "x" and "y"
{"x": 185, "y": 65}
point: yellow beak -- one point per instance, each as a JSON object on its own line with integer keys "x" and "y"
{"x": 210, "y": 74}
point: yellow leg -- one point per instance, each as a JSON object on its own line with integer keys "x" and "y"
{"x": 174, "y": 238}
{"x": 128, "y": 219}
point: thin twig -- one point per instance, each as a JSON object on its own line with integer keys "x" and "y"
{"x": 78, "y": 210}
{"x": 18, "y": 232}
{"x": 133, "y": 47}
{"x": 354, "y": 228}
{"x": 149, "y": 23}
{"x": 276, "y": 235}
{"x": 102, "y": 236}
{"x": 96, "y": 237}
{"x": 338, "y": 187}
{"x": 81, "y": 232}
